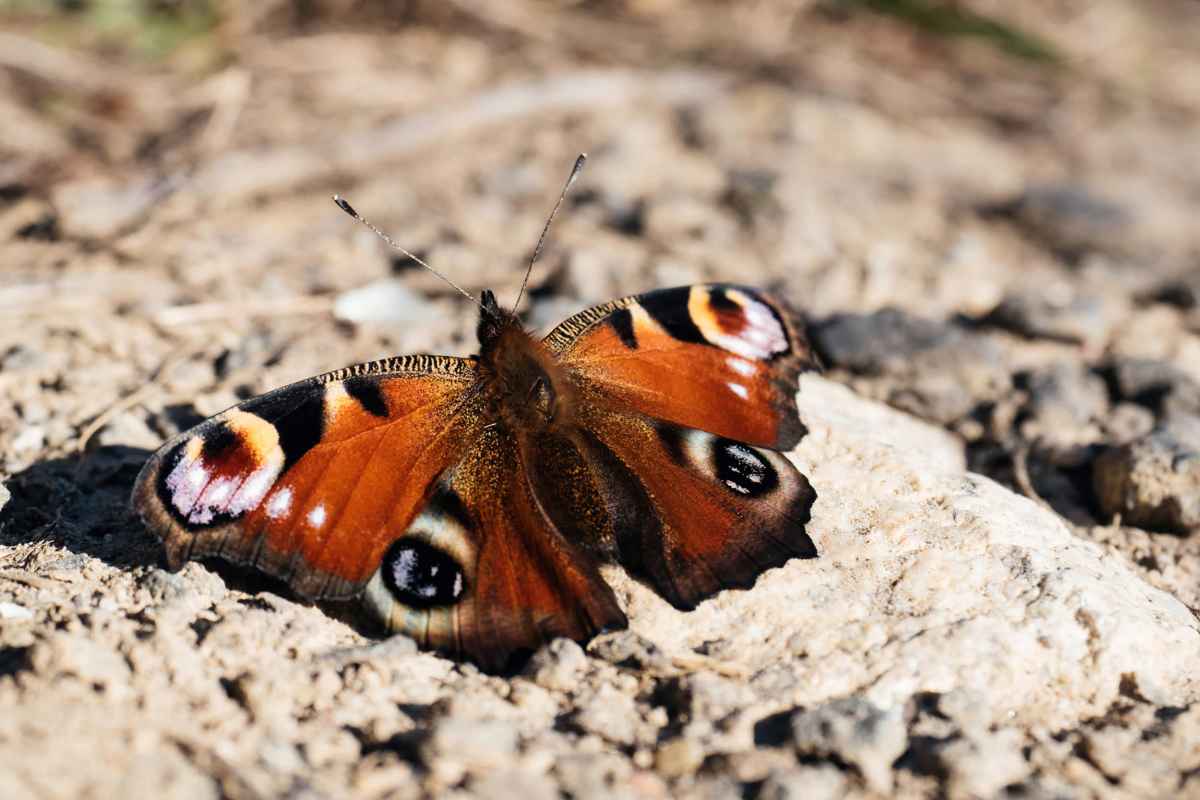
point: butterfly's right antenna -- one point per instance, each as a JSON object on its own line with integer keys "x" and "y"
{"x": 537, "y": 251}
{"x": 349, "y": 209}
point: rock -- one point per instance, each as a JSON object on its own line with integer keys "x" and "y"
{"x": 822, "y": 782}
{"x": 594, "y": 776}
{"x": 29, "y": 439}
{"x": 558, "y": 665}
{"x": 1068, "y": 218}
{"x": 981, "y": 764}
{"x": 620, "y": 212}
{"x": 1183, "y": 291}
{"x": 1154, "y": 384}
{"x": 750, "y": 194}
{"x": 609, "y": 714}
{"x": 14, "y": 611}
{"x": 1075, "y": 318}
{"x": 967, "y": 709}
{"x": 857, "y": 733}
{"x": 460, "y": 745}
{"x": 884, "y": 341}
{"x": 1064, "y": 397}
{"x": 396, "y": 646}
{"x": 935, "y": 370}
{"x": 678, "y": 757}
{"x": 511, "y": 784}
{"x": 930, "y": 580}
{"x": 1153, "y": 482}
{"x": 95, "y": 663}
{"x": 628, "y": 649}
{"x": 1136, "y": 746}
{"x": 388, "y": 301}
{"x": 1127, "y": 421}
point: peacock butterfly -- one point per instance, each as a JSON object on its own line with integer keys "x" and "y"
{"x": 467, "y": 502}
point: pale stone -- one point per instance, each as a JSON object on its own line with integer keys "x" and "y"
{"x": 931, "y": 578}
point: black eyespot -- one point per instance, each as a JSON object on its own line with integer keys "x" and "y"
{"x": 743, "y": 469}
{"x": 420, "y": 575}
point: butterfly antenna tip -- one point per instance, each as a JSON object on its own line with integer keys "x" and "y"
{"x": 349, "y": 209}
{"x": 580, "y": 160}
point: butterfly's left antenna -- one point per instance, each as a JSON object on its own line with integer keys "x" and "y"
{"x": 537, "y": 251}
{"x": 349, "y": 209}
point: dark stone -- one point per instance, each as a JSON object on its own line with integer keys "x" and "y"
{"x": 1182, "y": 292}
{"x": 1154, "y": 482}
{"x": 1157, "y": 385}
{"x": 879, "y": 342}
{"x": 939, "y": 371}
{"x": 1065, "y": 395}
{"x": 1068, "y": 219}
{"x": 1082, "y": 319}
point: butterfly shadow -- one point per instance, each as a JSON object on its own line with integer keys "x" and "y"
{"x": 80, "y": 503}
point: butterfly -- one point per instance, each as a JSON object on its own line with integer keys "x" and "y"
{"x": 469, "y": 502}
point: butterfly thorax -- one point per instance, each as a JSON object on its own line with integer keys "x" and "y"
{"x": 522, "y": 386}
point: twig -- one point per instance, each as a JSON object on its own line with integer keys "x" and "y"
{"x": 177, "y": 316}
{"x": 128, "y": 401}
{"x": 228, "y": 93}
{"x": 124, "y": 404}
{"x": 1021, "y": 473}
{"x": 32, "y": 581}
{"x": 694, "y": 663}
{"x": 54, "y": 65}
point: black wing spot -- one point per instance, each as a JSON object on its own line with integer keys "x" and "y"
{"x": 218, "y": 442}
{"x": 422, "y": 576}
{"x": 743, "y": 469}
{"x": 447, "y": 503}
{"x": 669, "y": 308}
{"x": 719, "y": 301}
{"x": 368, "y": 394}
{"x": 672, "y": 439}
{"x": 298, "y": 413}
{"x": 622, "y": 322}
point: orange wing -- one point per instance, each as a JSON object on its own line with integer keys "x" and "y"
{"x": 483, "y": 571}
{"x": 312, "y": 482}
{"x": 715, "y": 357}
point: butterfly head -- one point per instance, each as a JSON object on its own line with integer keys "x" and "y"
{"x": 526, "y": 389}
{"x": 493, "y": 321}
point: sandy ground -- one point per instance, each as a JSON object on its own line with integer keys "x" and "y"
{"x": 1002, "y": 247}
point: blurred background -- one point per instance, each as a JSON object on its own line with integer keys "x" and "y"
{"x": 987, "y": 210}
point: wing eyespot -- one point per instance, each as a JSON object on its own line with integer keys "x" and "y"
{"x": 740, "y": 468}
{"x": 218, "y": 477}
{"x": 422, "y": 576}
{"x": 743, "y": 469}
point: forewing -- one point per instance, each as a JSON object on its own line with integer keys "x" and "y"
{"x": 714, "y": 357}
{"x": 484, "y": 572}
{"x": 312, "y": 482}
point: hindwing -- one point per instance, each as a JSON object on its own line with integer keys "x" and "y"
{"x": 484, "y": 571}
